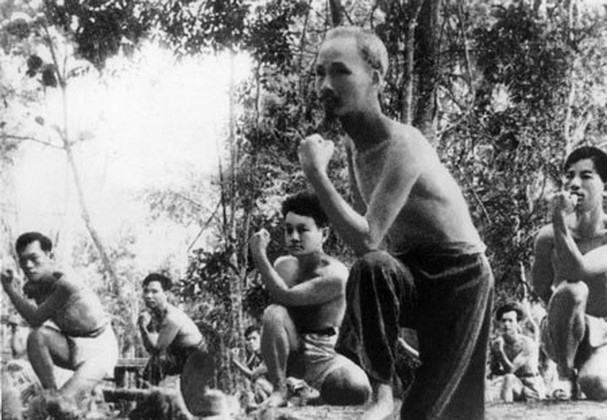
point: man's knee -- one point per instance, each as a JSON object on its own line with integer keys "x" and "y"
{"x": 275, "y": 316}
{"x": 573, "y": 294}
{"x": 346, "y": 386}
{"x": 37, "y": 338}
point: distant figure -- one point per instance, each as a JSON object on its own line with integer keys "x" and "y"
{"x": 18, "y": 338}
{"x": 301, "y": 327}
{"x": 253, "y": 368}
{"x": 420, "y": 261}
{"x": 515, "y": 357}
{"x": 570, "y": 276}
{"x": 81, "y": 338}
{"x": 168, "y": 334}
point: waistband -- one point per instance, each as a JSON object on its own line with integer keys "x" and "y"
{"x": 329, "y": 331}
{"x": 442, "y": 249}
{"x": 91, "y": 334}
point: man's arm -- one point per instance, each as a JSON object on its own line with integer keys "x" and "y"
{"x": 314, "y": 291}
{"x": 159, "y": 342}
{"x": 572, "y": 264}
{"x": 36, "y": 315}
{"x": 542, "y": 274}
{"x": 362, "y": 234}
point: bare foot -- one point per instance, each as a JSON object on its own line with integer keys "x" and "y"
{"x": 276, "y": 399}
{"x": 382, "y": 405}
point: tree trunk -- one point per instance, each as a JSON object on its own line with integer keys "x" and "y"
{"x": 428, "y": 68}
{"x": 337, "y": 14}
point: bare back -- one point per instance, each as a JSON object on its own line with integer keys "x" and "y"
{"x": 82, "y": 312}
{"x": 322, "y": 315}
{"x": 435, "y": 211}
{"x": 188, "y": 334}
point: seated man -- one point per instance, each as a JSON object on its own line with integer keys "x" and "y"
{"x": 514, "y": 359}
{"x": 570, "y": 276}
{"x": 81, "y": 338}
{"x": 301, "y": 327}
{"x": 166, "y": 331}
{"x": 254, "y": 369}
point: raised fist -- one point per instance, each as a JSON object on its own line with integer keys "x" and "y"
{"x": 314, "y": 154}
{"x": 259, "y": 241}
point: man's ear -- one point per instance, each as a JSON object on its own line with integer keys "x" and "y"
{"x": 378, "y": 79}
{"x": 325, "y": 233}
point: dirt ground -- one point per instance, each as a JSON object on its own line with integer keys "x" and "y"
{"x": 579, "y": 410}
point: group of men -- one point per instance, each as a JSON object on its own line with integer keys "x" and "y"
{"x": 420, "y": 264}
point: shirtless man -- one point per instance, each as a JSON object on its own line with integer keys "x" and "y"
{"x": 570, "y": 275}
{"x": 515, "y": 358}
{"x": 81, "y": 337}
{"x": 421, "y": 262}
{"x": 300, "y": 328}
{"x": 253, "y": 368}
{"x": 166, "y": 331}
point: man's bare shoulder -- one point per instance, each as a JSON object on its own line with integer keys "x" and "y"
{"x": 334, "y": 268}
{"x": 286, "y": 263}
{"x": 545, "y": 236}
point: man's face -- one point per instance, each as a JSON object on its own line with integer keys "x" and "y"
{"x": 154, "y": 296}
{"x": 302, "y": 234}
{"x": 252, "y": 342}
{"x": 582, "y": 180}
{"x": 344, "y": 80}
{"x": 36, "y": 263}
{"x": 509, "y": 323}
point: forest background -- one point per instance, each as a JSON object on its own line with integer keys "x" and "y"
{"x": 159, "y": 135}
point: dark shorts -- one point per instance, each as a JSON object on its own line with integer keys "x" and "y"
{"x": 447, "y": 299}
{"x": 171, "y": 363}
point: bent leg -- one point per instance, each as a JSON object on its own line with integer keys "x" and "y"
{"x": 47, "y": 347}
{"x": 345, "y": 385}
{"x": 593, "y": 375}
{"x": 566, "y": 324}
{"x": 279, "y": 339}
{"x": 512, "y": 388}
{"x": 380, "y": 296}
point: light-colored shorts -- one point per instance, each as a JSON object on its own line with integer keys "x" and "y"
{"x": 101, "y": 350}
{"x": 595, "y": 336}
{"x": 320, "y": 358}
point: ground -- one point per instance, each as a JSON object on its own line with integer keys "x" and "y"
{"x": 579, "y": 410}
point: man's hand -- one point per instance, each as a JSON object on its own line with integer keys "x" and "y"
{"x": 7, "y": 279}
{"x": 564, "y": 202}
{"x": 498, "y": 345}
{"x": 314, "y": 154}
{"x": 144, "y": 319}
{"x": 259, "y": 242}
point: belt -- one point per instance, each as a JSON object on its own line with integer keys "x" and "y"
{"x": 329, "y": 331}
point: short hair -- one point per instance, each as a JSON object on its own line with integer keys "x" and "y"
{"x": 29, "y": 237}
{"x": 510, "y": 307}
{"x": 164, "y": 281}
{"x": 371, "y": 48}
{"x": 305, "y": 203}
{"x": 596, "y": 155}
{"x": 250, "y": 330}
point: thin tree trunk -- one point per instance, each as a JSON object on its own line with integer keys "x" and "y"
{"x": 428, "y": 68}
{"x": 409, "y": 67}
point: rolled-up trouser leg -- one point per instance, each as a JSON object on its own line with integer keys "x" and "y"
{"x": 380, "y": 294}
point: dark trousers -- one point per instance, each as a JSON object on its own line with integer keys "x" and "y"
{"x": 447, "y": 299}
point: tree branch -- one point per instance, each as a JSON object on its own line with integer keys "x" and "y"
{"x": 29, "y": 138}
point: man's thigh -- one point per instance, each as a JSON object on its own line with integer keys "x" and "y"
{"x": 57, "y": 344}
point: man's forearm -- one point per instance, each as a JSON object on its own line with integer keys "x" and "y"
{"x": 569, "y": 257}
{"x": 274, "y": 283}
{"x": 25, "y": 308}
{"x": 147, "y": 340}
{"x": 351, "y": 226}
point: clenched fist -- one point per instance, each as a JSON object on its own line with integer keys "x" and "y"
{"x": 314, "y": 154}
{"x": 259, "y": 241}
{"x": 7, "y": 278}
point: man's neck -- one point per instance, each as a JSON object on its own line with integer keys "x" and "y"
{"x": 159, "y": 312}
{"x": 366, "y": 128}
{"x": 589, "y": 224}
{"x": 511, "y": 338}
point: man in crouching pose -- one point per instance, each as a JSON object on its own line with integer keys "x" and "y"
{"x": 80, "y": 337}
{"x": 570, "y": 276}
{"x": 301, "y": 327}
